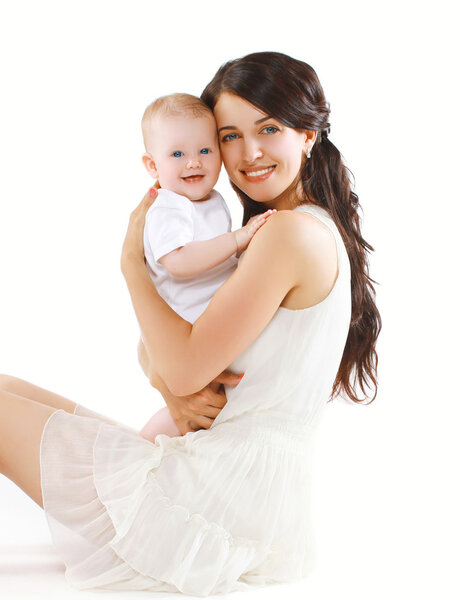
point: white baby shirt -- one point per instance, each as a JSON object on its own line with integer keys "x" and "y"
{"x": 173, "y": 221}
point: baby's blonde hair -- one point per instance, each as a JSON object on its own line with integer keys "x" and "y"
{"x": 173, "y": 105}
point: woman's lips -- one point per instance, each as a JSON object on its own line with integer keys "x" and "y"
{"x": 259, "y": 174}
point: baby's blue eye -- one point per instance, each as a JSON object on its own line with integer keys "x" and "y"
{"x": 204, "y": 151}
{"x": 271, "y": 128}
{"x": 177, "y": 153}
{"x": 229, "y": 137}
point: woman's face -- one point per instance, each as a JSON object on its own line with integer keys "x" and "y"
{"x": 262, "y": 157}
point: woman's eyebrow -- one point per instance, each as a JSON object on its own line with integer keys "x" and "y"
{"x": 262, "y": 120}
{"x": 255, "y": 123}
{"x": 226, "y": 127}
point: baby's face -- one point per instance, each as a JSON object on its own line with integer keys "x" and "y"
{"x": 186, "y": 154}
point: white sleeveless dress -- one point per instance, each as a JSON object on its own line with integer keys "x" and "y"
{"x": 217, "y": 510}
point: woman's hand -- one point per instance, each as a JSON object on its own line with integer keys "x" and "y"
{"x": 133, "y": 246}
{"x": 196, "y": 411}
{"x": 199, "y": 410}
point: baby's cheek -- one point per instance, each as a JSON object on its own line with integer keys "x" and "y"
{"x": 216, "y": 164}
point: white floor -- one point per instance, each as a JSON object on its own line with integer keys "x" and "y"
{"x": 29, "y": 566}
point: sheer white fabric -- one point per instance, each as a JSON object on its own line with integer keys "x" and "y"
{"x": 216, "y": 510}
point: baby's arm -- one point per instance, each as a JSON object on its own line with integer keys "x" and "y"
{"x": 200, "y": 256}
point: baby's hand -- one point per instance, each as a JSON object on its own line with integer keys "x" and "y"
{"x": 244, "y": 235}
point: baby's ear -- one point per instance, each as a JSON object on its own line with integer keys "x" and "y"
{"x": 149, "y": 164}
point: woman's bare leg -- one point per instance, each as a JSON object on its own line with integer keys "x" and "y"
{"x": 17, "y": 386}
{"x": 21, "y": 426}
{"x": 24, "y": 410}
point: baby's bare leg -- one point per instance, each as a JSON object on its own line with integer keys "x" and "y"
{"x": 161, "y": 422}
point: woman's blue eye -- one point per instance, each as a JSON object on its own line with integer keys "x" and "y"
{"x": 204, "y": 151}
{"x": 229, "y": 137}
{"x": 273, "y": 129}
{"x": 177, "y": 153}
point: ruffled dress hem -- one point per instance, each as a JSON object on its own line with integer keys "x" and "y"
{"x": 116, "y": 529}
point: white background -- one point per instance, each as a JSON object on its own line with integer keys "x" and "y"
{"x": 75, "y": 78}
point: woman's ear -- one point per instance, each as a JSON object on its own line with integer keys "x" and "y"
{"x": 149, "y": 164}
{"x": 310, "y": 139}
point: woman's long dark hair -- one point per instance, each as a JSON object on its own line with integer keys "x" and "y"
{"x": 289, "y": 91}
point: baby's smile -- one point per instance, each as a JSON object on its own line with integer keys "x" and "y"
{"x": 193, "y": 178}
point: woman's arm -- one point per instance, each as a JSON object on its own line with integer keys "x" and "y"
{"x": 196, "y": 411}
{"x": 143, "y": 359}
{"x": 188, "y": 357}
{"x": 200, "y": 256}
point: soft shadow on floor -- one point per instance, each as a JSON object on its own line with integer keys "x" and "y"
{"x": 34, "y": 570}
{"x": 30, "y": 567}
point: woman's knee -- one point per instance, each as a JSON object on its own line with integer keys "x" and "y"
{"x": 28, "y": 390}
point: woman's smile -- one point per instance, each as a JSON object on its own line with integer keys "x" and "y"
{"x": 256, "y": 174}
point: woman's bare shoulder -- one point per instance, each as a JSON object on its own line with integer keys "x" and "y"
{"x": 309, "y": 247}
{"x": 300, "y": 223}
{"x": 301, "y": 234}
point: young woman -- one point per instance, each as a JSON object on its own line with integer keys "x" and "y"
{"x": 226, "y": 506}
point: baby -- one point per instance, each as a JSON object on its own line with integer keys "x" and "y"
{"x": 189, "y": 244}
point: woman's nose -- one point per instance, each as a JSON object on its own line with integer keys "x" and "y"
{"x": 251, "y": 151}
{"x": 194, "y": 163}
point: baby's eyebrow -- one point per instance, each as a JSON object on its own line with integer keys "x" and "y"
{"x": 255, "y": 123}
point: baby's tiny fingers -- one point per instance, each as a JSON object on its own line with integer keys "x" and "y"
{"x": 257, "y": 225}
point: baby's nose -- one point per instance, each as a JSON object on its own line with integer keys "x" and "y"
{"x": 194, "y": 163}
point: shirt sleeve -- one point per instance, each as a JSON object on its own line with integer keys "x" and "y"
{"x": 169, "y": 225}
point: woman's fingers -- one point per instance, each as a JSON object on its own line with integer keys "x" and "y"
{"x": 139, "y": 212}
{"x": 210, "y": 411}
{"x": 204, "y": 406}
{"x": 203, "y": 422}
{"x": 208, "y": 402}
{"x": 215, "y": 403}
{"x": 228, "y": 378}
{"x": 133, "y": 245}
{"x": 210, "y": 396}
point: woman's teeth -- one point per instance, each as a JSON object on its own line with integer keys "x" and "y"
{"x": 258, "y": 173}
